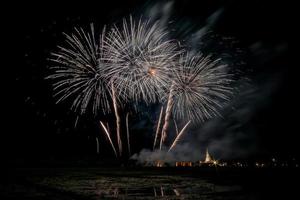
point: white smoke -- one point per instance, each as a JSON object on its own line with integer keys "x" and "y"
{"x": 227, "y": 137}
{"x": 230, "y": 136}
{"x": 182, "y": 152}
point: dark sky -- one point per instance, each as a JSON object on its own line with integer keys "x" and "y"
{"x": 35, "y": 127}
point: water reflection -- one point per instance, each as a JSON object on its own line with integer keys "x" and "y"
{"x": 176, "y": 192}
{"x": 165, "y": 191}
{"x": 168, "y": 188}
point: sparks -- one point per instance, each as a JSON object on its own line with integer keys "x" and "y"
{"x": 201, "y": 87}
{"x": 77, "y": 72}
{"x": 152, "y": 71}
{"x": 136, "y": 62}
{"x": 142, "y": 59}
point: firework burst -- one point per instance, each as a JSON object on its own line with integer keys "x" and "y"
{"x": 136, "y": 62}
{"x": 141, "y": 60}
{"x": 201, "y": 87}
{"x": 78, "y": 71}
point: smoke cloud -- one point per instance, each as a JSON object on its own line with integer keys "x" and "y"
{"x": 183, "y": 152}
{"x": 226, "y": 137}
{"x": 233, "y": 135}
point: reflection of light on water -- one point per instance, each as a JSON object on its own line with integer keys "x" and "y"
{"x": 179, "y": 190}
{"x": 155, "y": 194}
{"x": 117, "y": 192}
{"x": 162, "y": 191}
{"x": 176, "y": 192}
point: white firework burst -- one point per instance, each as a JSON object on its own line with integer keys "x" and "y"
{"x": 141, "y": 60}
{"x": 201, "y": 86}
{"x": 78, "y": 71}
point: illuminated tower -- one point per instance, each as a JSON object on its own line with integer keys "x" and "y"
{"x": 208, "y": 158}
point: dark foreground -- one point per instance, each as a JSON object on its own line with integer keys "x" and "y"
{"x": 148, "y": 183}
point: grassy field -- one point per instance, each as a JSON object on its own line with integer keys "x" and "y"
{"x": 138, "y": 183}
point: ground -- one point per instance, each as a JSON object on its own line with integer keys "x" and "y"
{"x": 141, "y": 183}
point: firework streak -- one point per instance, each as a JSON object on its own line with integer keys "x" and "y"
{"x": 118, "y": 119}
{"x": 127, "y": 131}
{"x": 178, "y": 136}
{"x": 158, "y": 126}
{"x": 109, "y": 138}
{"x": 167, "y": 117}
{"x": 97, "y": 143}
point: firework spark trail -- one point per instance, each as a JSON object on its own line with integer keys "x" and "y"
{"x": 107, "y": 125}
{"x": 202, "y": 87}
{"x": 97, "y": 147}
{"x": 167, "y": 116}
{"x": 78, "y": 71}
{"x": 109, "y": 138}
{"x": 142, "y": 60}
{"x": 161, "y": 141}
{"x": 176, "y": 127}
{"x": 118, "y": 119}
{"x": 158, "y": 127}
{"x": 179, "y": 135}
{"x": 127, "y": 131}
{"x": 76, "y": 121}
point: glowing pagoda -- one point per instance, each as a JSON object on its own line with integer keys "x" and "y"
{"x": 208, "y": 161}
{"x": 208, "y": 158}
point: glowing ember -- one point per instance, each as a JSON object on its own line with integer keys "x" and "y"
{"x": 152, "y": 71}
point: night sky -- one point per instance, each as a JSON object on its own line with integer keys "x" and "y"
{"x": 37, "y": 128}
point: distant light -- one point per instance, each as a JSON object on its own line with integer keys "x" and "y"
{"x": 152, "y": 71}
